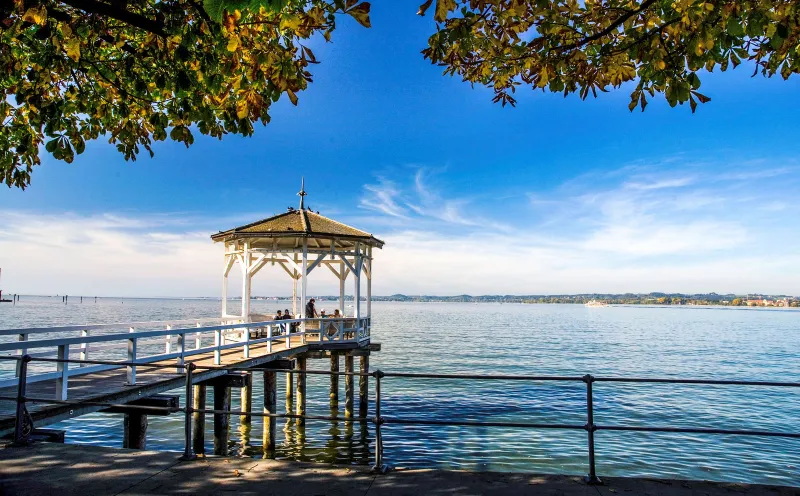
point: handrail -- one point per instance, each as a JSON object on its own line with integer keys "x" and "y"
{"x": 22, "y": 430}
{"x": 45, "y": 343}
{"x": 94, "y": 327}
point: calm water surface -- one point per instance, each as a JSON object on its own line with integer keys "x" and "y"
{"x": 687, "y": 342}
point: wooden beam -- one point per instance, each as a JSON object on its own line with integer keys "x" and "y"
{"x": 158, "y": 400}
{"x": 315, "y": 263}
{"x": 335, "y": 272}
{"x": 347, "y": 262}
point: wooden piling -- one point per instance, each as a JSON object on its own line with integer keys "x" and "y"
{"x": 363, "y": 387}
{"x": 300, "y": 405}
{"x": 222, "y": 401}
{"x": 199, "y": 420}
{"x": 271, "y": 407}
{"x": 348, "y": 386}
{"x": 334, "y": 381}
{"x": 289, "y": 388}
{"x": 135, "y": 426}
{"x": 247, "y": 400}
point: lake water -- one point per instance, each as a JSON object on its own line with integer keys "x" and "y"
{"x": 684, "y": 342}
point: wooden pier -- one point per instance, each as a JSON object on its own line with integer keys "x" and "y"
{"x": 93, "y": 386}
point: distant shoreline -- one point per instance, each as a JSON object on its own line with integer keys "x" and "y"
{"x": 630, "y": 299}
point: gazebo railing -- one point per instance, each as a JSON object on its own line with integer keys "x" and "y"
{"x": 140, "y": 347}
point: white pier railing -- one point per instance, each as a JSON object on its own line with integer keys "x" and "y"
{"x": 168, "y": 342}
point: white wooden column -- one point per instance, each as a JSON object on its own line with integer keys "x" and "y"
{"x": 357, "y": 279}
{"x": 246, "y": 282}
{"x": 369, "y": 281}
{"x": 294, "y": 287}
{"x": 304, "y": 282}
{"x": 225, "y": 272}
{"x": 342, "y": 279}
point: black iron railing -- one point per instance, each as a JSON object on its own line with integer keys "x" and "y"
{"x": 23, "y": 423}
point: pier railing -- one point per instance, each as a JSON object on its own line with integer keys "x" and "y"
{"x": 24, "y": 426}
{"x": 140, "y": 347}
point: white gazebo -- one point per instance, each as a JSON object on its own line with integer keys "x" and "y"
{"x": 299, "y": 241}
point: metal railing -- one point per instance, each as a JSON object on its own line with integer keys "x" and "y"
{"x": 23, "y": 423}
{"x": 225, "y": 337}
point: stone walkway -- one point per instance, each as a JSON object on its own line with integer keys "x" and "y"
{"x": 48, "y": 469}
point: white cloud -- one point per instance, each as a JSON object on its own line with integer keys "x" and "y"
{"x": 633, "y": 229}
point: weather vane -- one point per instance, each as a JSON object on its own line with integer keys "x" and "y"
{"x": 302, "y": 194}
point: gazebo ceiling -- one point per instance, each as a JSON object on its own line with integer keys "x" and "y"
{"x": 298, "y": 224}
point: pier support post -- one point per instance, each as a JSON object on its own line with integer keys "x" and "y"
{"x": 247, "y": 400}
{"x": 271, "y": 407}
{"x": 348, "y": 386}
{"x": 289, "y": 387}
{"x": 300, "y": 407}
{"x": 199, "y": 420}
{"x": 135, "y": 426}
{"x": 363, "y": 387}
{"x": 222, "y": 401}
{"x": 334, "y": 381}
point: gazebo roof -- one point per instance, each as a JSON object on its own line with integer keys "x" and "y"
{"x": 298, "y": 223}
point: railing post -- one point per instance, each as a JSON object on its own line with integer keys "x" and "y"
{"x": 303, "y": 327}
{"x": 592, "y": 478}
{"x": 63, "y": 372}
{"x": 22, "y": 426}
{"x": 379, "y": 467}
{"x": 84, "y": 347}
{"x": 168, "y": 344}
{"x": 217, "y": 344}
{"x": 189, "y": 401}
{"x": 182, "y": 348}
{"x": 269, "y": 335}
{"x": 131, "y": 369}
{"x": 288, "y": 335}
{"x": 197, "y": 338}
{"x": 246, "y": 351}
{"x": 21, "y": 352}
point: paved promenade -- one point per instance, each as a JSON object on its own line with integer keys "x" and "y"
{"x": 62, "y": 470}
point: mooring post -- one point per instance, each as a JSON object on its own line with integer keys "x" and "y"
{"x": 348, "y": 386}
{"x": 289, "y": 387}
{"x": 271, "y": 407}
{"x": 135, "y": 431}
{"x": 300, "y": 407}
{"x": 222, "y": 401}
{"x": 363, "y": 387}
{"x": 247, "y": 399}
{"x": 199, "y": 420}
{"x": 334, "y": 380}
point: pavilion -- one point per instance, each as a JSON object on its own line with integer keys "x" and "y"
{"x": 299, "y": 241}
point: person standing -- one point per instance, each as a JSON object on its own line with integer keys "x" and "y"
{"x": 311, "y": 311}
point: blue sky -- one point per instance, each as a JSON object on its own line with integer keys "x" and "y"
{"x": 557, "y": 195}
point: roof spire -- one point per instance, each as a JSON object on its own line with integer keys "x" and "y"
{"x": 302, "y": 194}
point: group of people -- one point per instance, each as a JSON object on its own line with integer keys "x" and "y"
{"x": 311, "y": 313}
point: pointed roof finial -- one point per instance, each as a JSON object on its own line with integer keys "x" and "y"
{"x": 302, "y": 194}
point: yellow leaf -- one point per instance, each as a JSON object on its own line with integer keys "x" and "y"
{"x": 73, "y": 48}
{"x": 443, "y": 7}
{"x": 291, "y": 22}
{"x": 66, "y": 31}
{"x": 242, "y": 109}
{"x": 36, "y": 15}
{"x": 292, "y": 96}
{"x": 233, "y": 43}
{"x": 361, "y": 14}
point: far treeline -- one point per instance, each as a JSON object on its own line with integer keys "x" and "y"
{"x": 614, "y": 299}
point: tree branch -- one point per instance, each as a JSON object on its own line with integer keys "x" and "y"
{"x": 611, "y": 27}
{"x": 135, "y": 20}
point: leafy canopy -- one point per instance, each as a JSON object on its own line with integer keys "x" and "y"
{"x": 137, "y": 71}
{"x": 592, "y": 45}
